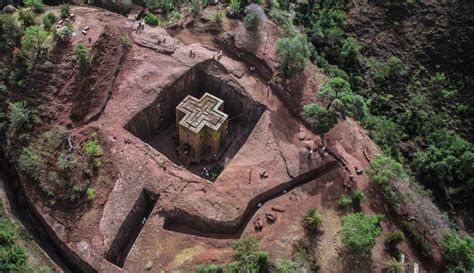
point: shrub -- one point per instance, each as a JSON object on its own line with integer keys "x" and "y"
{"x": 384, "y": 132}
{"x": 90, "y": 192}
{"x": 20, "y": 116}
{"x": 391, "y": 69}
{"x": 247, "y": 257}
{"x": 393, "y": 265}
{"x": 36, "y": 5}
{"x": 152, "y": 20}
{"x": 344, "y": 201}
{"x": 33, "y": 41}
{"x": 92, "y": 148}
{"x": 285, "y": 266}
{"x": 125, "y": 40}
{"x": 7, "y": 234}
{"x": 359, "y": 232}
{"x": 29, "y": 161}
{"x": 218, "y": 18}
{"x": 66, "y": 161}
{"x": 10, "y": 31}
{"x": 174, "y": 16}
{"x": 195, "y": 7}
{"x": 283, "y": 18}
{"x": 293, "y": 54}
{"x": 358, "y": 197}
{"x": 64, "y": 11}
{"x": 201, "y": 269}
{"x": 26, "y": 17}
{"x": 394, "y": 238}
{"x": 384, "y": 169}
{"x": 83, "y": 54}
{"x": 48, "y": 20}
{"x": 235, "y": 6}
{"x": 459, "y": 252}
{"x": 313, "y": 220}
{"x": 350, "y": 49}
{"x": 254, "y": 18}
{"x": 213, "y": 268}
{"x": 64, "y": 34}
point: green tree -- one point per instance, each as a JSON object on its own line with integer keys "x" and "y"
{"x": 358, "y": 197}
{"x": 321, "y": 119}
{"x": 66, "y": 161}
{"x": 338, "y": 96}
{"x": 90, "y": 192}
{"x": 293, "y": 54}
{"x": 393, "y": 68}
{"x": 48, "y": 20}
{"x": 350, "y": 49}
{"x": 392, "y": 240}
{"x": 152, "y": 20}
{"x": 20, "y": 116}
{"x": 63, "y": 34}
{"x": 235, "y": 6}
{"x": 29, "y": 161}
{"x": 359, "y": 232}
{"x": 247, "y": 256}
{"x": 285, "y": 266}
{"x": 83, "y": 54}
{"x": 35, "y": 5}
{"x": 195, "y": 7}
{"x": 26, "y": 17}
{"x": 344, "y": 201}
{"x": 10, "y": 32}
{"x": 386, "y": 133}
{"x": 459, "y": 252}
{"x": 254, "y": 18}
{"x": 34, "y": 41}
{"x": 64, "y": 11}
{"x": 313, "y": 220}
{"x": 92, "y": 148}
{"x": 448, "y": 160}
{"x": 384, "y": 170}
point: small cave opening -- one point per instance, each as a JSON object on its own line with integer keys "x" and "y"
{"x": 157, "y": 125}
{"x": 131, "y": 228}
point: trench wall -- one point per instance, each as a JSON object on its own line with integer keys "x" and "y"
{"x": 234, "y": 228}
{"x": 130, "y": 228}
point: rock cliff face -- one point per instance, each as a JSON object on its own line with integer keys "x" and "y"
{"x": 423, "y": 33}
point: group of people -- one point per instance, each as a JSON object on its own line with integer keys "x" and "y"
{"x": 140, "y": 26}
{"x": 192, "y": 53}
{"x": 205, "y": 172}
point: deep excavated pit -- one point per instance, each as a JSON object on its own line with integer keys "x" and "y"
{"x": 156, "y": 126}
{"x": 131, "y": 227}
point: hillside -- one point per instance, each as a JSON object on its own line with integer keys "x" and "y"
{"x": 325, "y": 136}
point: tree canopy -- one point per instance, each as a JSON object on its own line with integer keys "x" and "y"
{"x": 448, "y": 159}
{"x": 338, "y": 96}
{"x": 255, "y": 17}
{"x": 384, "y": 169}
{"x": 321, "y": 119}
{"x": 359, "y": 232}
{"x": 459, "y": 252}
{"x": 293, "y": 54}
{"x": 33, "y": 41}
